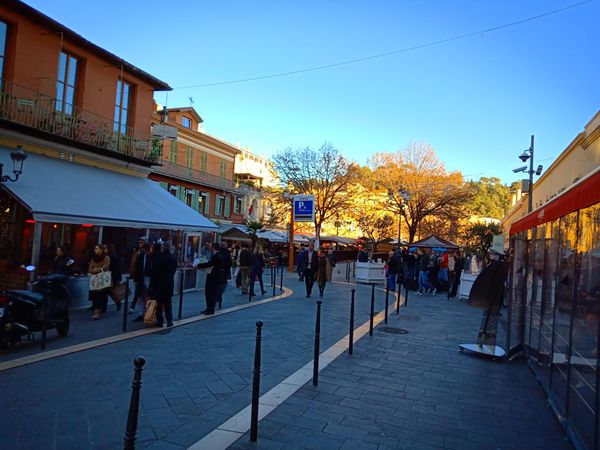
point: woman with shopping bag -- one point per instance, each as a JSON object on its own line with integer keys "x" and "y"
{"x": 100, "y": 280}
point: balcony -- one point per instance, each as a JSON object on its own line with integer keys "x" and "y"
{"x": 50, "y": 116}
{"x": 195, "y": 176}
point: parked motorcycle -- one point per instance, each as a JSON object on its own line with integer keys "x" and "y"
{"x": 23, "y": 312}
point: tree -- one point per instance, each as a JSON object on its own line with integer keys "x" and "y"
{"x": 479, "y": 237}
{"x": 323, "y": 173}
{"x": 489, "y": 197}
{"x": 431, "y": 190}
{"x": 254, "y": 227}
{"x": 375, "y": 224}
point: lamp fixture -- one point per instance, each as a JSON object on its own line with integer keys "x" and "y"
{"x": 18, "y": 158}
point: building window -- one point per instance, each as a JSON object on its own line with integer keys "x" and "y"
{"x": 3, "y": 36}
{"x": 122, "y": 105}
{"x": 174, "y": 151}
{"x": 173, "y": 190}
{"x": 186, "y": 122}
{"x": 203, "y": 202}
{"x": 65, "y": 83}
{"x": 223, "y": 168}
{"x": 238, "y": 205}
{"x": 219, "y": 205}
{"x": 189, "y": 198}
{"x": 189, "y": 160}
{"x": 203, "y": 161}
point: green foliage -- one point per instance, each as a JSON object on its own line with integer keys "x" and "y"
{"x": 478, "y": 238}
{"x": 490, "y": 198}
{"x": 254, "y": 226}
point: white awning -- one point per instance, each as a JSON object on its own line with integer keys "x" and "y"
{"x": 58, "y": 191}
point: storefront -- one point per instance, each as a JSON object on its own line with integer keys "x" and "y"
{"x": 58, "y": 202}
{"x": 554, "y": 303}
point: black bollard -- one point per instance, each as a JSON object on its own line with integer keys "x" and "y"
{"x": 406, "y": 296}
{"x": 387, "y": 300}
{"x": 126, "y": 306}
{"x": 181, "y": 275}
{"x": 44, "y": 321}
{"x": 398, "y": 299}
{"x": 372, "y": 309}
{"x": 256, "y": 384}
{"x": 351, "y": 333}
{"x": 134, "y": 404}
{"x": 317, "y": 345}
{"x": 281, "y": 280}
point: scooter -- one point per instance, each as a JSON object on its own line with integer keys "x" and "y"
{"x": 22, "y": 312}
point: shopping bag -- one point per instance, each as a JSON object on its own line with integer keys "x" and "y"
{"x": 99, "y": 281}
{"x": 150, "y": 314}
{"x": 119, "y": 292}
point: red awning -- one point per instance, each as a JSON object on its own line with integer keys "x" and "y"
{"x": 585, "y": 193}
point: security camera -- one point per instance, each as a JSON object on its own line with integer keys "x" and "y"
{"x": 539, "y": 170}
{"x": 520, "y": 169}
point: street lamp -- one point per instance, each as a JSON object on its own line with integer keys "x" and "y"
{"x": 18, "y": 158}
{"x": 403, "y": 196}
{"x": 528, "y": 155}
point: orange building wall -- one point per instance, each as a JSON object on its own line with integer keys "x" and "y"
{"x": 32, "y": 62}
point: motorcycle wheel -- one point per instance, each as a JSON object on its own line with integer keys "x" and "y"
{"x": 63, "y": 327}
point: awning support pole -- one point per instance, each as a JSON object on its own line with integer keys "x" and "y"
{"x": 35, "y": 252}
{"x": 100, "y": 234}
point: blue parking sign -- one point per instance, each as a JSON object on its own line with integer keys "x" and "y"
{"x": 304, "y": 208}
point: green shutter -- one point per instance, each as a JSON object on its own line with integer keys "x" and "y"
{"x": 207, "y": 204}
{"x": 227, "y": 206}
{"x": 164, "y": 185}
{"x": 195, "y": 200}
{"x": 181, "y": 193}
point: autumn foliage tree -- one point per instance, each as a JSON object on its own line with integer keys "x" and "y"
{"x": 432, "y": 191}
{"x": 324, "y": 173}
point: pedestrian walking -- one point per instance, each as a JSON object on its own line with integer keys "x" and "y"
{"x": 140, "y": 272}
{"x": 299, "y": 268}
{"x": 308, "y": 261}
{"x": 244, "y": 265}
{"x": 392, "y": 270}
{"x": 116, "y": 275}
{"x": 162, "y": 284}
{"x": 63, "y": 263}
{"x": 214, "y": 278}
{"x": 226, "y": 270}
{"x": 257, "y": 267}
{"x": 332, "y": 260}
{"x": 323, "y": 272}
{"x": 100, "y": 263}
{"x": 459, "y": 265}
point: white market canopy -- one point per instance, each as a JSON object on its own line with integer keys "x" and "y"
{"x": 434, "y": 242}
{"x": 58, "y": 191}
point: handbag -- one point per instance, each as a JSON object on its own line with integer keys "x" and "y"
{"x": 119, "y": 292}
{"x": 100, "y": 281}
{"x": 150, "y": 313}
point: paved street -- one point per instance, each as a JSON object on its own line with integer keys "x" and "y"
{"x": 397, "y": 391}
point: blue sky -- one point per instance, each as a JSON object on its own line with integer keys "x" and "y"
{"x": 476, "y": 101}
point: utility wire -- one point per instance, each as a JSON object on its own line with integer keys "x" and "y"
{"x": 393, "y": 52}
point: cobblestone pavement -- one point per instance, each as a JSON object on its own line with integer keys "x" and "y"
{"x": 397, "y": 391}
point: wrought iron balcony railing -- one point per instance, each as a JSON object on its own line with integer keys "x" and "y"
{"x": 196, "y": 176}
{"x": 33, "y": 109}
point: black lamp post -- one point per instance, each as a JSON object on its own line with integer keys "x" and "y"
{"x": 403, "y": 196}
{"x": 528, "y": 155}
{"x": 18, "y": 158}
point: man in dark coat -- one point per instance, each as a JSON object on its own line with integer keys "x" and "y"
{"x": 214, "y": 278}
{"x": 141, "y": 265}
{"x": 226, "y": 254}
{"x": 308, "y": 261}
{"x": 162, "y": 284}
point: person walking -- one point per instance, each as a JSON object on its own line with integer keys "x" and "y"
{"x": 244, "y": 265}
{"x": 116, "y": 274}
{"x": 141, "y": 270}
{"x": 100, "y": 263}
{"x": 308, "y": 262}
{"x": 459, "y": 265}
{"x": 214, "y": 278}
{"x": 323, "y": 272}
{"x": 162, "y": 284}
{"x": 392, "y": 270}
{"x": 299, "y": 265}
{"x": 63, "y": 263}
{"x": 226, "y": 254}
{"x": 332, "y": 260}
{"x": 257, "y": 266}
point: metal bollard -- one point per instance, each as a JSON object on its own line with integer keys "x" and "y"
{"x": 181, "y": 275}
{"x": 406, "y": 296}
{"x": 372, "y": 309}
{"x": 134, "y": 404}
{"x": 281, "y": 280}
{"x": 274, "y": 279}
{"x": 256, "y": 384}
{"x": 317, "y": 345}
{"x": 351, "y": 333}
{"x": 398, "y": 299}
{"x": 126, "y": 305}
{"x": 44, "y": 321}
{"x": 353, "y": 269}
{"x": 387, "y": 300}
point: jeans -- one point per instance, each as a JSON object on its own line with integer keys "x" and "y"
{"x": 391, "y": 282}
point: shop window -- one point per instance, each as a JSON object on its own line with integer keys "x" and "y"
{"x": 66, "y": 81}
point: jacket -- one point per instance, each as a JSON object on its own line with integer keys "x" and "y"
{"x": 162, "y": 279}
{"x": 303, "y": 260}
{"x": 216, "y": 277}
{"x": 97, "y": 267}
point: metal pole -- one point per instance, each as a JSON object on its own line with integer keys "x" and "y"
{"x": 317, "y": 345}
{"x": 134, "y": 404}
{"x": 291, "y": 234}
{"x": 530, "y": 193}
{"x": 126, "y": 306}
{"x": 181, "y": 275}
{"x": 45, "y": 315}
{"x": 274, "y": 278}
{"x": 281, "y": 279}
{"x": 398, "y": 298}
{"x": 351, "y": 333}
{"x": 405, "y": 296}
{"x": 256, "y": 384}
{"x": 372, "y": 309}
{"x": 387, "y": 301}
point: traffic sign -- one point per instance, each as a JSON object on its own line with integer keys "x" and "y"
{"x": 304, "y": 208}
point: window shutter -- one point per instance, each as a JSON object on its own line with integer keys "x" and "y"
{"x": 195, "y": 200}
{"x": 207, "y": 204}
{"x": 164, "y": 185}
{"x": 227, "y": 206}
